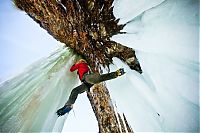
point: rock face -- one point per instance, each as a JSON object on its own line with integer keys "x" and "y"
{"x": 86, "y": 27}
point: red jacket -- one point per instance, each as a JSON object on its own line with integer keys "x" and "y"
{"x": 82, "y": 69}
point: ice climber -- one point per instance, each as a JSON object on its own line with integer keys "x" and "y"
{"x": 88, "y": 79}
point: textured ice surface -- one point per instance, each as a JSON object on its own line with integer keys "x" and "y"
{"x": 166, "y": 96}
{"x": 29, "y": 101}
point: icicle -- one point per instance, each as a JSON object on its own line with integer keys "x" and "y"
{"x": 29, "y": 101}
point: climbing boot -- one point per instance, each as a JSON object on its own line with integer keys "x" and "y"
{"x": 64, "y": 110}
{"x": 120, "y": 72}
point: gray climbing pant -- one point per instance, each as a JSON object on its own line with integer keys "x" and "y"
{"x": 88, "y": 81}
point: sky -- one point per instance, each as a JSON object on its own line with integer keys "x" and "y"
{"x": 22, "y": 42}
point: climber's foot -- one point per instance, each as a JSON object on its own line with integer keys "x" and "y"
{"x": 64, "y": 110}
{"x": 120, "y": 72}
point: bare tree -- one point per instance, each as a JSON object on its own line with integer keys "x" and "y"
{"x": 86, "y": 26}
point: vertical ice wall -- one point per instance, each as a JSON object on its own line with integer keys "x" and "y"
{"x": 164, "y": 98}
{"x": 29, "y": 101}
{"x": 165, "y": 35}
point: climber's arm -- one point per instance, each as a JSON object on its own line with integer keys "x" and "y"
{"x": 74, "y": 67}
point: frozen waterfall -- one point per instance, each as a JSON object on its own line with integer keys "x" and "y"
{"x": 165, "y": 98}
{"x": 29, "y": 101}
{"x": 165, "y": 35}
